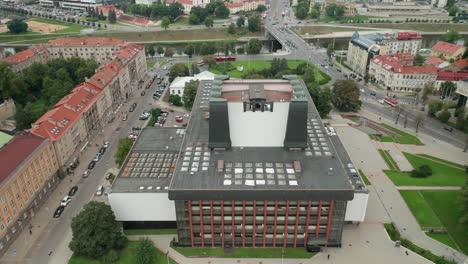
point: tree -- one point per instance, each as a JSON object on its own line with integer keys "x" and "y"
{"x": 165, "y": 22}
{"x": 194, "y": 19}
{"x": 178, "y": 70}
{"x": 434, "y": 108}
{"x": 222, "y": 11}
{"x": 195, "y": 69}
{"x": 231, "y": 29}
{"x": 169, "y": 52}
{"x": 444, "y": 116}
{"x": 418, "y": 121}
{"x": 315, "y": 14}
{"x": 160, "y": 50}
{"x": 209, "y": 60}
{"x": 254, "y": 46}
{"x": 418, "y": 60}
{"x": 447, "y": 88}
{"x": 261, "y": 8}
{"x": 324, "y": 104}
{"x": 309, "y": 75}
{"x": 189, "y": 49}
{"x": 330, "y": 49}
{"x": 254, "y": 23}
{"x": 453, "y": 10}
{"x": 190, "y": 92}
{"x": 175, "y": 100}
{"x": 174, "y": 10}
{"x": 330, "y": 10}
{"x": 112, "y": 17}
{"x": 124, "y": 146}
{"x": 422, "y": 172}
{"x": 451, "y": 36}
{"x": 427, "y": 90}
{"x": 240, "y": 50}
{"x": 209, "y": 22}
{"x": 339, "y": 11}
{"x": 111, "y": 257}
{"x": 17, "y": 26}
{"x": 240, "y": 21}
{"x": 95, "y": 231}
{"x": 150, "y": 49}
{"x": 302, "y": 12}
{"x": 145, "y": 252}
{"x": 346, "y": 96}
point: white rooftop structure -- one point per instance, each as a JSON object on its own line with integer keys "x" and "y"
{"x": 177, "y": 86}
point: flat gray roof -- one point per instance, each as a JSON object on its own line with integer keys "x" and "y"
{"x": 260, "y": 173}
{"x": 151, "y": 162}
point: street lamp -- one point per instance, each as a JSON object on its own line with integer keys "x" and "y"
{"x": 282, "y": 256}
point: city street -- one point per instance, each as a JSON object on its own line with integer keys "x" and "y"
{"x": 54, "y": 234}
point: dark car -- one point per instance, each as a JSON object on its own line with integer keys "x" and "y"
{"x": 91, "y": 165}
{"x": 373, "y": 93}
{"x": 102, "y": 151}
{"x": 73, "y": 190}
{"x": 132, "y": 108}
{"x": 449, "y": 129}
{"x": 58, "y": 212}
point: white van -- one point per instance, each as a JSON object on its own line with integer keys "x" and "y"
{"x": 99, "y": 191}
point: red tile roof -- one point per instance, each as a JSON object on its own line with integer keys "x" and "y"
{"x": 183, "y": 2}
{"x": 434, "y": 61}
{"x": 451, "y": 76}
{"x": 393, "y": 64}
{"x": 17, "y": 150}
{"x": 446, "y": 48}
{"x": 85, "y": 41}
{"x": 54, "y": 123}
{"x": 461, "y": 63}
{"x": 409, "y": 35}
{"x": 134, "y": 20}
{"x": 232, "y": 5}
{"x": 24, "y": 55}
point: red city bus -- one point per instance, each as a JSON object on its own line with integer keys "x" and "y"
{"x": 224, "y": 58}
{"x": 390, "y": 101}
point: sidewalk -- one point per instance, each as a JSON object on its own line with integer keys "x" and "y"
{"x": 43, "y": 218}
{"x": 369, "y": 240}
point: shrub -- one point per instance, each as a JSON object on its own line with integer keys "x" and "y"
{"x": 444, "y": 116}
{"x": 422, "y": 172}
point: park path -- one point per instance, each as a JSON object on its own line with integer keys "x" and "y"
{"x": 363, "y": 150}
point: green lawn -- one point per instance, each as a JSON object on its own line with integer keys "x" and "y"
{"x": 442, "y": 175}
{"x": 403, "y": 137}
{"x": 238, "y": 252}
{"x": 389, "y": 160}
{"x": 446, "y": 205}
{"x": 364, "y": 178}
{"x": 421, "y": 210}
{"x": 443, "y": 161}
{"x": 429, "y": 27}
{"x": 261, "y": 65}
{"x": 149, "y": 64}
{"x": 130, "y": 232}
{"x": 444, "y": 239}
{"x": 395, "y": 235}
{"x": 127, "y": 256}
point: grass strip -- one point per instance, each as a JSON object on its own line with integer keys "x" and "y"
{"x": 133, "y": 232}
{"x": 427, "y": 254}
{"x": 293, "y": 253}
{"x": 364, "y": 178}
{"x": 402, "y": 137}
{"x": 389, "y": 160}
{"x": 445, "y": 162}
{"x": 421, "y": 209}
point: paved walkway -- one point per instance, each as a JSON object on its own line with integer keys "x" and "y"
{"x": 356, "y": 143}
{"x": 366, "y": 244}
{"x": 397, "y": 155}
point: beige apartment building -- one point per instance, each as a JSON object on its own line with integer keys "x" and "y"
{"x": 26, "y": 58}
{"x": 397, "y": 73}
{"x": 28, "y": 174}
{"x": 81, "y": 115}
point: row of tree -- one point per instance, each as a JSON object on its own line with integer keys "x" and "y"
{"x": 199, "y": 15}
{"x": 155, "y": 11}
{"x": 39, "y": 87}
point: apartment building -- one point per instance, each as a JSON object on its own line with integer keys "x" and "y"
{"x": 82, "y": 114}
{"x": 28, "y": 175}
{"x": 397, "y": 73}
{"x": 257, "y": 169}
{"x": 448, "y": 51}
{"x": 26, "y": 58}
{"x": 362, "y": 48}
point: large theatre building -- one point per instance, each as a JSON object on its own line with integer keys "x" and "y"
{"x": 257, "y": 168}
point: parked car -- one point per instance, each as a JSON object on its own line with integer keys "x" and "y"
{"x": 73, "y": 191}
{"x": 97, "y": 157}
{"x": 86, "y": 174}
{"x": 65, "y": 201}
{"x": 179, "y": 119}
{"x": 102, "y": 151}
{"x": 91, "y": 165}
{"x": 142, "y": 93}
{"x": 449, "y": 129}
{"x": 132, "y": 108}
{"x": 107, "y": 176}
{"x": 58, "y": 212}
{"x": 106, "y": 144}
{"x": 99, "y": 190}
{"x": 373, "y": 93}
{"x": 124, "y": 118}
